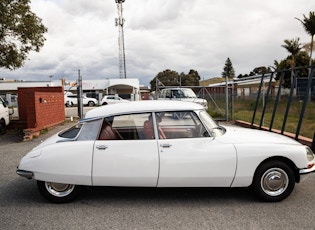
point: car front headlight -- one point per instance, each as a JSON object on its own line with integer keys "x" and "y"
{"x": 310, "y": 154}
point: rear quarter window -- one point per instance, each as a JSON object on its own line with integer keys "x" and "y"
{"x": 71, "y": 132}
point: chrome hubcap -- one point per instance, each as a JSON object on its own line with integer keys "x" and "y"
{"x": 58, "y": 189}
{"x": 274, "y": 181}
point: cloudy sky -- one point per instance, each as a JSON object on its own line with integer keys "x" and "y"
{"x": 161, "y": 34}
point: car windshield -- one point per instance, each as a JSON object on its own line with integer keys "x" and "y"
{"x": 188, "y": 93}
{"x": 211, "y": 124}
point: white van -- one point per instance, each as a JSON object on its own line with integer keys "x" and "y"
{"x": 182, "y": 94}
{"x": 4, "y": 115}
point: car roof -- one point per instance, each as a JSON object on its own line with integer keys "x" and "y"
{"x": 142, "y": 106}
{"x": 176, "y": 88}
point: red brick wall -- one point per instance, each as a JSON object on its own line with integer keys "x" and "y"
{"x": 41, "y": 107}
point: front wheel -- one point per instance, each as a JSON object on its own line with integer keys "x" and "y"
{"x": 91, "y": 103}
{"x": 2, "y": 127}
{"x": 274, "y": 181}
{"x": 58, "y": 192}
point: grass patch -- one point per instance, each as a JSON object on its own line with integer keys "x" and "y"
{"x": 244, "y": 109}
{"x": 43, "y": 131}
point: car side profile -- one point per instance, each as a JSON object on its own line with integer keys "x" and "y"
{"x": 112, "y": 99}
{"x": 4, "y": 115}
{"x": 72, "y": 100}
{"x": 164, "y": 144}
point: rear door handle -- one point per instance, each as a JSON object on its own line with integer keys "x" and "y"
{"x": 165, "y": 145}
{"x": 101, "y": 147}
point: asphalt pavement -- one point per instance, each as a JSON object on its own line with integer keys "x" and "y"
{"x": 22, "y": 207}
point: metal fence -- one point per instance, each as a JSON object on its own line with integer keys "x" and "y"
{"x": 298, "y": 86}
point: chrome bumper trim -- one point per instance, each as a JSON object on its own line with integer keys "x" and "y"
{"x": 26, "y": 174}
{"x": 307, "y": 171}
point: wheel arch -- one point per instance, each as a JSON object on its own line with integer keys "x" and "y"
{"x": 284, "y": 160}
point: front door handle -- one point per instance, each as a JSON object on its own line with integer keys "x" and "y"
{"x": 101, "y": 147}
{"x": 165, "y": 145}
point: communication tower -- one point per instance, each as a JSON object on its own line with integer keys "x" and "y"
{"x": 121, "y": 44}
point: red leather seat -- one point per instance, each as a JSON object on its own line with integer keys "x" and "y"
{"x": 108, "y": 133}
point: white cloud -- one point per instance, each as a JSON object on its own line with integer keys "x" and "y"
{"x": 162, "y": 34}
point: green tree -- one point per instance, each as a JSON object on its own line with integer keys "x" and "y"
{"x": 307, "y": 47}
{"x": 293, "y": 46}
{"x": 309, "y": 26}
{"x": 167, "y": 78}
{"x": 242, "y": 75}
{"x": 21, "y": 31}
{"x": 261, "y": 70}
{"x": 301, "y": 59}
{"x": 256, "y": 71}
{"x": 190, "y": 79}
{"x": 228, "y": 70}
{"x": 172, "y": 78}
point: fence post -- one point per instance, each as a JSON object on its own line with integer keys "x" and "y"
{"x": 308, "y": 89}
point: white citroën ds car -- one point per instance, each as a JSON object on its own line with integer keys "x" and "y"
{"x": 164, "y": 144}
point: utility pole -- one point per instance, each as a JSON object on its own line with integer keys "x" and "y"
{"x": 79, "y": 95}
{"x": 226, "y": 98}
{"x": 121, "y": 44}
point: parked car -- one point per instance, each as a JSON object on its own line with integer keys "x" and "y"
{"x": 4, "y": 115}
{"x": 182, "y": 94}
{"x": 112, "y": 99}
{"x": 164, "y": 144}
{"x": 72, "y": 99}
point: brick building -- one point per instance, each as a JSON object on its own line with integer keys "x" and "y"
{"x": 40, "y": 108}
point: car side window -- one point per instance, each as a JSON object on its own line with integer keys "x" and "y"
{"x": 167, "y": 94}
{"x": 89, "y": 130}
{"x": 126, "y": 127}
{"x": 182, "y": 124}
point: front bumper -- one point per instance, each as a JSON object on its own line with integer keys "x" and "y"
{"x": 26, "y": 174}
{"x": 305, "y": 172}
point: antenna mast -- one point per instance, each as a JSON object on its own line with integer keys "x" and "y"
{"x": 121, "y": 44}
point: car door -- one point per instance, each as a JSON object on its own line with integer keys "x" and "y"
{"x": 4, "y": 113}
{"x": 189, "y": 157}
{"x": 122, "y": 154}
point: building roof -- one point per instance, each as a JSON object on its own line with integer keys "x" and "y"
{"x": 247, "y": 81}
{"x": 86, "y": 84}
{"x": 104, "y": 84}
{"x": 14, "y": 85}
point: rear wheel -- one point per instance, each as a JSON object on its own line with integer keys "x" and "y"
{"x": 58, "y": 192}
{"x": 69, "y": 104}
{"x": 274, "y": 181}
{"x": 2, "y": 127}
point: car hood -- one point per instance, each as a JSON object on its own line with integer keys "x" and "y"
{"x": 239, "y": 135}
